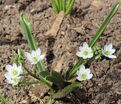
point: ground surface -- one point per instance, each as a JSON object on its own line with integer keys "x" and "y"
{"x": 104, "y": 88}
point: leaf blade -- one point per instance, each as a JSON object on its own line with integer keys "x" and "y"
{"x": 64, "y": 92}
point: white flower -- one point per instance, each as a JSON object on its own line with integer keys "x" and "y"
{"x": 108, "y": 51}
{"x": 12, "y": 80}
{"x": 14, "y": 70}
{"x": 13, "y": 74}
{"x": 35, "y": 56}
{"x": 83, "y": 74}
{"x": 85, "y": 51}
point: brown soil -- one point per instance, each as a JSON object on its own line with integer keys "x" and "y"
{"x": 104, "y": 88}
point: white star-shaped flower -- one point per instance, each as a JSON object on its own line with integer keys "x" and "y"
{"x": 83, "y": 74}
{"x": 13, "y": 74}
{"x": 35, "y": 56}
{"x": 108, "y": 51}
{"x": 85, "y": 51}
{"x": 14, "y": 70}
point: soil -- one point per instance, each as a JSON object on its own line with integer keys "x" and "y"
{"x": 80, "y": 26}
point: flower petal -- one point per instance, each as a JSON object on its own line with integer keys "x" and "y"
{"x": 41, "y": 57}
{"x": 112, "y": 56}
{"x": 38, "y": 51}
{"x": 90, "y": 76}
{"x": 82, "y": 67}
{"x": 79, "y": 54}
{"x": 85, "y": 45}
{"x": 9, "y": 67}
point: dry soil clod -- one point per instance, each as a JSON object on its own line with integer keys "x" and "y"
{"x": 56, "y": 25}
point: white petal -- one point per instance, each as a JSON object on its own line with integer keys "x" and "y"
{"x": 20, "y": 70}
{"x": 85, "y": 45}
{"x": 33, "y": 53}
{"x": 8, "y": 67}
{"x": 89, "y": 76}
{"x": 14, "y": 66}
{"x": 28, "y": 55}
{"x": 15, "y": 80}
{"x": 82, "y": 67}
{"x": 80, "y": 48}
{"x": 84, "y": 57}
{"x": 8, "y": 76}
{"x": 110, "y": 46}
{"x": 77, "y": 73}
{"x": 41, "y": 57}
{"x": 112, "y": 56}
{"x": 113, "y": 51}
{"x": 88, "y": 70}
{"x": 79, "y": 54}
{"x": 78, "y": 78}
{"x": 38, "y": 51}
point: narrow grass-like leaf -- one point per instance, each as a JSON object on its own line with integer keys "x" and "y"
{"x": 69, "y": 6}
{"x": 4, "y": 100}
{"x": 55, "y": 5}
{"x": 62, "y": 5}
{"x": 103, "y": 26}
{"x": 26, "y": 29}
{"x": 64, "y": 92}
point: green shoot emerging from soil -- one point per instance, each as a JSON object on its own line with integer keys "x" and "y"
{"x": 3, "y": 99}
{"x": 62, "y": 5}
{"x": 59, "y": 87}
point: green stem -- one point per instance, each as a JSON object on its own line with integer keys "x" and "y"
{"x": 41, "y": 79}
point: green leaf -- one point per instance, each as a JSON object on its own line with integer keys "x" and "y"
{"x": 26, "y": 29}
{"x": 4, "y": 100}
{"x": 103, "y": 26}
{"x": 62, "y": 5}
{"x": 56, "y": 78}
{"x": 69, "y": 6}
{"x": 68, "y": 89}
{"x": 55, "y": 5}
{"x": 44, "y": 74}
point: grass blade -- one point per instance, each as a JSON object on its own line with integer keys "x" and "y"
{"x": 55, "y": 5}
{"x": 62, "y": 5}
{"x": 27, "y": 31}
{"x": 103, "y": 26}
{"x": 69, "y": 6}
{"x": 4, "y": 100}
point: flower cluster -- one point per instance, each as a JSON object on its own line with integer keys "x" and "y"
{"x": 13, "y": 73}
{"x": 87, "y": 52}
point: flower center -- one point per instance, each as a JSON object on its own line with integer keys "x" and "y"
{"x": 86, "y": 52}
{"x": 106, "y": 53}
{"x": 35, "y": 59}
{"x": 14, "y": 72}
{"x": 83, "y": 76}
